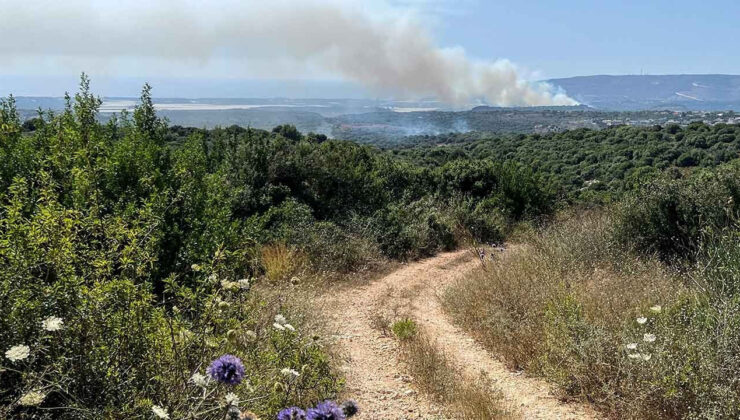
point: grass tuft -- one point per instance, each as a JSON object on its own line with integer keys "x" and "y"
{"x": 434, "y": 374}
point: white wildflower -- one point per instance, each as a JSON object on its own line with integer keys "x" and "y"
{"x": 656, "y": 309}
{"x": 250, "y": 335}
{"x": 32, "y": 398}
{"x": 280, "y": 319}
{"x": 632, "y": 346}
{"x": 646, "y": 356}
{"x": 648, "y": 338}
{"x": 278, "y": 327}
{"x": 232, "y": 399}
{"x": 634, "y": 355}
{"x": 247, "y": 386}
{"x": 641, "y": 320}
{"x": 19, "y": 352}
{"x": 195, "y": 267}
{"x": 289, "y": 327}
{"x": 244, "y": 283}
{"x": 213, "y": 278}
{"x": 229, "y": 285}
{"x": 199, "y": 380}
{"x": 160, "y": 412}
{"x": 291, "y": 373}
{"x": 52, "y": 323}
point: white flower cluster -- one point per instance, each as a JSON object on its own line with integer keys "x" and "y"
{"x": 160, "y": 412}
{"x": 241, "y": 284}
{"x": 229, "y": 285}
{"x": 52, "y": 323}
{"x": 200, "y": 380}
{"x": 232, "y": 399}
{"x": 18, "y": 353}
{"x": 32, "y": 398}
{"x": 290, "y": 373}
{"x": 245, "y": 284}
{"x": 282, "y": 324}
{"x": 646, "y": 337}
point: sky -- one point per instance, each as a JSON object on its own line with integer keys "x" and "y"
{"x": 575, "y": 37}
{"x": 352, "y": 48}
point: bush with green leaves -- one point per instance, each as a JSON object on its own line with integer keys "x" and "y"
{"x": 670, "y": 215}
{"x": 404, "y": 329}
{"x": 590, "y": 165}
{"x": 125, "y": 273}
{"x": 413, "y": 230}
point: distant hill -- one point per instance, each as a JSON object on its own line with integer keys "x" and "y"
{"x": 675, "y": 92}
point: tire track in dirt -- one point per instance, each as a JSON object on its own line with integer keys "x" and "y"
{"x": 376, "y": 378}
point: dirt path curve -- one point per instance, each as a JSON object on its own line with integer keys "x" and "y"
{"x": 377, "y": 380}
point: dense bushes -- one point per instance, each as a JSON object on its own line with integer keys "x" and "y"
{"x": 120, "y": 260}
{"x": 144, "y": 242}
{"x": 590, "y": 165}
{"x": 670, "y": 215}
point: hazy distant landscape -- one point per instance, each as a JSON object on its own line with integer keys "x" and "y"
{"x": 699, "y": 92}
{"x": 605, "y": 101}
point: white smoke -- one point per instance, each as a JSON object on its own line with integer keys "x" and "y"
{"x": 387, "y": 52}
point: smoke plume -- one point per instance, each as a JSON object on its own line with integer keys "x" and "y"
{"x": 387, "y": 52}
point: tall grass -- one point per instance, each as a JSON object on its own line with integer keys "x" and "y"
{"x": 280, "y": 262}
{"x": 635, "y": 337}
{"x": 434, "y": 374}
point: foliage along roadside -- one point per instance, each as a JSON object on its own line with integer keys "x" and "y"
{"x": 145, "y": 247}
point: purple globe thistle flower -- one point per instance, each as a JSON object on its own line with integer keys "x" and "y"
{"x": 227, "y": 369}
{"x": 327, "y": 410}
{"x": 292, "y": 413}
{"x": 350, "y": 408}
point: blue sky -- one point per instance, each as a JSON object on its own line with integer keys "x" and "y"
{"x": 355, "y": 48}
{"x": 576, "y": 37}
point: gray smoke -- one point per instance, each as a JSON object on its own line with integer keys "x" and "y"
{"x": 388, "y": 53}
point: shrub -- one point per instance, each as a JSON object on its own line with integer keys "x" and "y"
{"x": 669, "y": 216}
{"x": 280, "y": 262}
{"x": 564, "y": 307}
{"x": 404, "y": 329}
{"x": 413, "y": 230}
{"x": 333, "y": 249}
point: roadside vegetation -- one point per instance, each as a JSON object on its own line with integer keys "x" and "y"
{"x": 633, "y": 307}
{"x": 135, "y": 254}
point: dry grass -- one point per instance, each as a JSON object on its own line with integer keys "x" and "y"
{"x": 558, "y": 306}
{"x": 434, "y": 374}
{"x": 281, "y": 262}
{"x": 430, "y": 369}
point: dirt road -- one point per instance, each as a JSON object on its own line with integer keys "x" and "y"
{"x": 376, "y": 378}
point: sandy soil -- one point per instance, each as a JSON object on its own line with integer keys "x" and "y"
{"x": 376, "y": 378}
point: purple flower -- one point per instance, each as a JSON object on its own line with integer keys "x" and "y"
{"x": 292, "y": 413}
{"x": 350, "y": 408}
{"x": 227, "y": 369}
{"x": 327, "y": 410}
